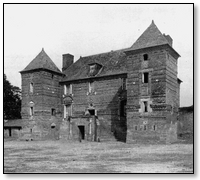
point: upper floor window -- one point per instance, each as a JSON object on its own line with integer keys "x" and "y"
{"x": 68, "y": 89}
{"x": 145, "y": 57}
{"x": 91, "y": 87}
{"x": 145, "y": 106}
{"x": 154, "y": 127}
{"x": 53, "y": 112}
{"x": 145, "y": 77}
{"x": 31, "y": 87}
{"x": 92, "y": 69}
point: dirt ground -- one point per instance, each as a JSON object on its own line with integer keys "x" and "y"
{"x": 96, "y": 157}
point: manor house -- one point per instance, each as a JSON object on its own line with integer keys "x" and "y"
{"x": 127, "y": 95}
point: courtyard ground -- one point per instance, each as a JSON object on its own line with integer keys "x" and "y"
{"x": 96, "y": 157}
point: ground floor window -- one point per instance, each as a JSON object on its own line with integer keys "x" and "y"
{"x": 67, "y": 110}
{"x": 53, "y": 112}
{"x": 31, "y": 111}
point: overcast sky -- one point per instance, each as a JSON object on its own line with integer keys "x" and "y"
{"x": 90, "y": 29}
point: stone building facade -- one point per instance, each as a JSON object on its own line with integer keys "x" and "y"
{"x": 129, "y": 95}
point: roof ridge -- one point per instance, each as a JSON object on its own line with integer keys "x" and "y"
{"x": 118, "y": 50}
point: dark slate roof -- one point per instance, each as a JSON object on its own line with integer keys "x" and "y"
{"x": 42, "y": 61}
{"x": 186, "y": 109}
{"x": 113, "y": 63}
{"x": 150, "y": 37}
{"x": 13, "y": 123}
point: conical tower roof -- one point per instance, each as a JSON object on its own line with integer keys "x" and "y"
{"x": 42, "y": 61}
{"x": 150, "y": 37}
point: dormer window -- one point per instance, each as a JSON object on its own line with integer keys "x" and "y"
{"x": 94, "y": 69}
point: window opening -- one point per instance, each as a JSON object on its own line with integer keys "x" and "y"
{"x": 68, "y": 89}
{"x": 145, "y": 106}
{"x": 53, "y": 112}
{"x": 154, "y": 127}
{"x": 91, "y": 87}
{"x": 145, "y": 77}
{"x": 31, "y": 111}
{"x": 31, "y": 87}
{"x": 136, "y": 128}
{"x": 145, "y": 56}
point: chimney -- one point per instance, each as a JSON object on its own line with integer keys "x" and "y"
{"x": 169, "y": 39}
{"x": 68, "y": 60}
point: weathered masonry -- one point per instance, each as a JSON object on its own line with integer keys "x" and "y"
{"x": 128, "y": 95}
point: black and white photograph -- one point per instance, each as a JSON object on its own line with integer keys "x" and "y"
{"x": 98, "y": 88}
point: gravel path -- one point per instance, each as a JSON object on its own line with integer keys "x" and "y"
{"x": 93, "y": 157}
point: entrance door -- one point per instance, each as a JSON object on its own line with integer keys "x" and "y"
{"x": 82, "y": 131}
{"x": 123, "y": 108}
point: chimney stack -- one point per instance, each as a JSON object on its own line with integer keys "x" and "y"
{"x": 169, "y": 39}
{"x": 68, "y": 60}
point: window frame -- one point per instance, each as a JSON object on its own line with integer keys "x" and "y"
{"x": 67, "y": 89}
{"x": 53, "y": 112}
{"x": 145, "y": 77}
{"x": 145, "y": 105}
{"x": 31, "y": 88}
{"x": 145, "y": 57}
{"x": 91, "y": 87}
{"x": 31, "y": 111}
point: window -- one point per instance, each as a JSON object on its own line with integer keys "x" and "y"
{"x": 52, "y": 76}
{"x": 31, "y": 111}
{"x": 145, "y": 77}
{"x": 154, "y": 127}
{"x": 67, "y": 111}
{"x": 124, "y": 83}
{"x": 53, "y": 112}
{"x": 92, "y": 69}
{"x": 91, "y": 87}
{"x": 68, "y": 89}
{"x": 92, "y": 112}
{"x": 145, "y": 57}
{"x": 136, "y": 128}
{"x": 145, "y": 127}
{"x": 31, "y": 87}
{"x": 145, "y": 106}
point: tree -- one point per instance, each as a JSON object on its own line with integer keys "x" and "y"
{"x": 11, "y": 100}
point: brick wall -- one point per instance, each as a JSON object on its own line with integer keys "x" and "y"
{"x": 105, "y": 99}
{"x": 45, "y": 96}
{"x": 151, "y": 125}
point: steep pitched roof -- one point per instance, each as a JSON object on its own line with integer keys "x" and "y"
{"x": 150, "y": 37}
{"x": 113, "y": 63}
{"x": 42, "y": 61}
